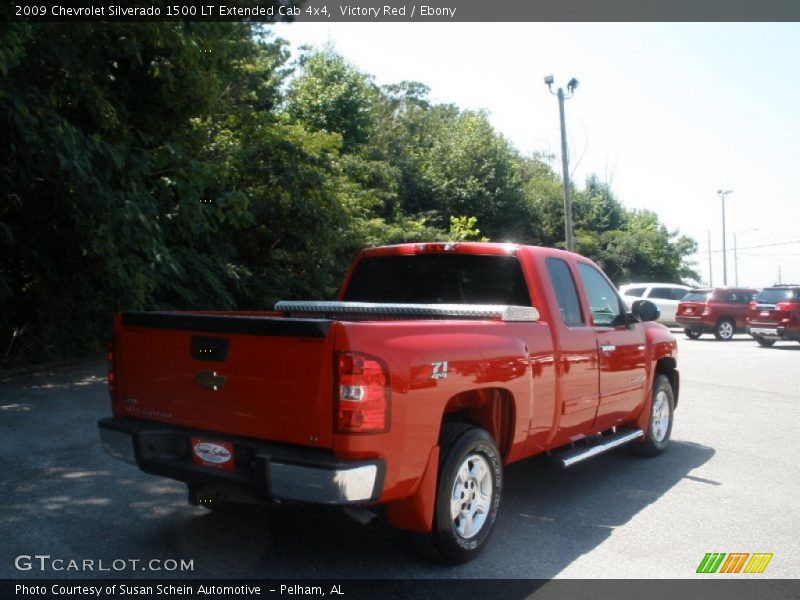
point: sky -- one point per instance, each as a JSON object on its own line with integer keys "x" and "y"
{"x": 668, "y": 113}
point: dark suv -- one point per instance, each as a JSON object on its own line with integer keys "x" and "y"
{"x": 721, "y": 311}
{"x": 775, "y": 315}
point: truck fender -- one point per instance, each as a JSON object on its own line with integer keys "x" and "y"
{"x": 661, "y": 348}
{"x": 415, "y": 513}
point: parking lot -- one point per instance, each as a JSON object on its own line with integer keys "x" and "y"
{"x": 728, "y": 483}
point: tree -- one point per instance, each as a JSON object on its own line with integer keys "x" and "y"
{"x": 330, "y": 95}
{"x": 189, "y": 165}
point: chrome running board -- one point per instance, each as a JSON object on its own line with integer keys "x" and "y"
{"x": 575, "y": 455}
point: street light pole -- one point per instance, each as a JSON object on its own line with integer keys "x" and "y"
{"x": 571, "y": 85}
{"x": 722, "y": 194}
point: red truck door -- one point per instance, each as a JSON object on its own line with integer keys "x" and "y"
{"x": 623, "y": 375}
{"x": 576, "y": 355}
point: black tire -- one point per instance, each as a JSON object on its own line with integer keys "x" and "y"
{"x": 656, "y": 439}
{"x": 692, "y": 334}
{"x": 462, "y": 445}
{"x": 724, "y": 329}
{"x": 764, "y": 342}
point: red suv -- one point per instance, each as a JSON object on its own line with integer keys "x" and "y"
{"x": 721, "y": 311}
{"x": 775, "y": 315}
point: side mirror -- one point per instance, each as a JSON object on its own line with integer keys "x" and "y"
{"x": 644, "y": 310}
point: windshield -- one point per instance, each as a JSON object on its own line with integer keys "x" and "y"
{"x": 439, "y": 278}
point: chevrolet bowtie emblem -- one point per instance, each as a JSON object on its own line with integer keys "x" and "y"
{"x": 210, "y": 380}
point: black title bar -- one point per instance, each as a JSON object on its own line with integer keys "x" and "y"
{"x": 367, "y": 11}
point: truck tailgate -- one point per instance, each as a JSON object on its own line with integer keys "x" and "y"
{"x": 258, "y": 376}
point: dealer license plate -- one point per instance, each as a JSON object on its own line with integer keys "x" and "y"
{"x": 212, "y": 453}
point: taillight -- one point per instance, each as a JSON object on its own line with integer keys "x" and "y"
{"x": 362, "y": 394}
{"x": 437, "y": 247}
{"x": 112, "y": 377}
{"x": 788, "y": 306}
{"x": 706, "y": 310}
{"x": 753, "y": 305}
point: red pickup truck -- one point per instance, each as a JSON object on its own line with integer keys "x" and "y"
{"x": 438, "y": 364}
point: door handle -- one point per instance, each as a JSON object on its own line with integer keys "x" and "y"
{"x": 607, "y": 348}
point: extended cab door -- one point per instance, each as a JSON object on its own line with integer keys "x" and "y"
{"x": 576, "y": 355}
{"x": 623, "y": 377}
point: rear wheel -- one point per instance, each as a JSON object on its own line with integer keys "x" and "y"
{"x": 659, "y": 430}
{"x": 467, "y": 496}
{"x": 764, "y": 342}
{"x": 692, "y": 334}
{"x": 725, "y": 329}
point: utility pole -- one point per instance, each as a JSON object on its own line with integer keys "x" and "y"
{"x": 710, "y": 262}
{"x": 722, "y": 194}
{"x": 571, "y": 85}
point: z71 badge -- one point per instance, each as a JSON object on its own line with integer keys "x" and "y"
{"x": 439, "y": 370}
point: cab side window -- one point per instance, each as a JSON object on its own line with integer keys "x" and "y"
{"x": 566, "y": 293}
{"x": 603, "y": 300}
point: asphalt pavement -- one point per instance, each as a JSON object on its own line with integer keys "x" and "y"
{"x": 728, "y": 483}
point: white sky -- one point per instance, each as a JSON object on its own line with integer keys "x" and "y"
{"x": 669, "y": 113}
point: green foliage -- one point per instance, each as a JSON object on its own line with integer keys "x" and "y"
{"x": 330, "y": 95}
{"x": 462, "y": 229}
{"x": 191, "y": 166}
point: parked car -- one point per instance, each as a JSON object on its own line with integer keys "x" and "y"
{"x": 774, "y": 315}
{"x": 721, "y": 311}
{"x": 665, "y": 296}
{"x": 437, "y": 365}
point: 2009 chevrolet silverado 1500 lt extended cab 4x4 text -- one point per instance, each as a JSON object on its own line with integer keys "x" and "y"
{"x": 438, "y": 364}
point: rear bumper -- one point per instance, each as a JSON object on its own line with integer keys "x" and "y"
{"x": 772, "y": 332}
{"x": 268, "y": 471}
{"x": 693, "y": 323}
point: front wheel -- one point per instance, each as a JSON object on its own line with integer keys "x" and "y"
{"x": 724, "y": 330}
{"x": 693, "y": 334}
{"x": 467, "y": 496}
{"x": 659, "y": 430}
{"x": 764, "y": 342}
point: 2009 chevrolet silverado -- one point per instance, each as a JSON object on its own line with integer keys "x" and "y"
{"x": 438, "y": 364}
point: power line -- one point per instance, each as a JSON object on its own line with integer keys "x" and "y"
{"x": 759, "y": 246}
{"x": 770, "y": 253}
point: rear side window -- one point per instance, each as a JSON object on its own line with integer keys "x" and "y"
{"x": 439, "y": 278}
{"x": 724, "y": 297}
{"x": 635, "y": 292}
{"x": 678, "y": 293}
{"x": 696, "y": 296}
{"x": 773, "y": 296}
{"x": 741, "y": 297}
{"x": 566, "y": 293}
{"x": 662, "y": 293}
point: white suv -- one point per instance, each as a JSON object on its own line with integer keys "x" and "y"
{"x": 665, "y": 296}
